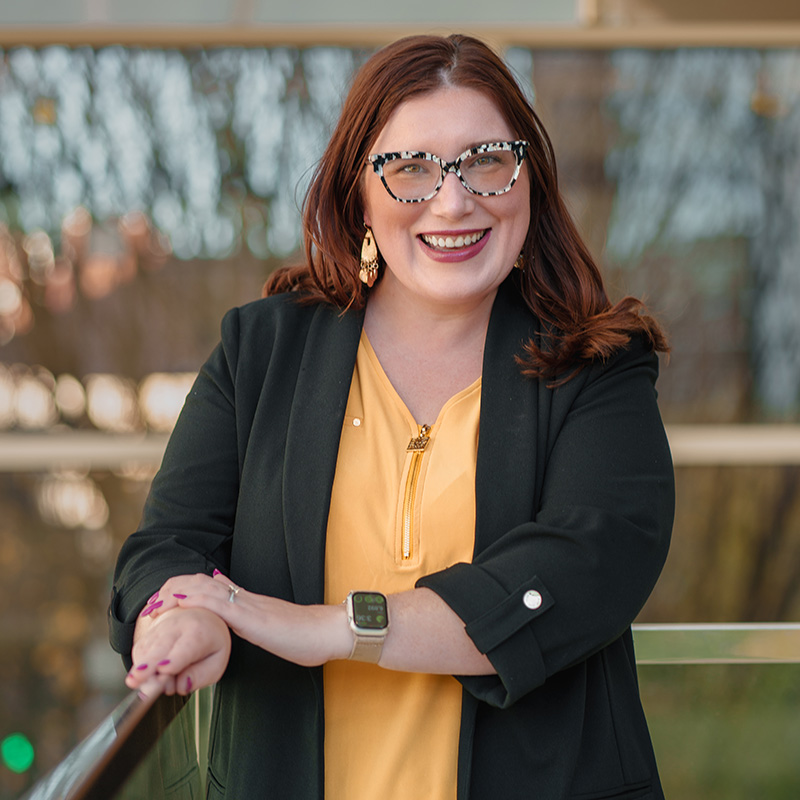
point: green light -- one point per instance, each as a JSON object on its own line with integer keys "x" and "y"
{"x": 17, "y": 752}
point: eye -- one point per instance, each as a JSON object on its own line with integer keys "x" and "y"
{"x": 489, "y": 160}
{"x": 408, "y": 168}
{"x": 486, "y": 160}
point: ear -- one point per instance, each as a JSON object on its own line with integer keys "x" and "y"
{"x": 367, "y": 220}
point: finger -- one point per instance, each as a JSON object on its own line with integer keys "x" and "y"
{"x": 222, "y": 606}
{"x": 178, "y": 642}
{"x": 173, "y": 590}
{"x": 163, "y": 599}
{"x": 222, "y": 578}
{"x": 159, "y": 606}
{"x": 153, "y": 686}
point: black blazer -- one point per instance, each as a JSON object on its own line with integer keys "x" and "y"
{"x": 574, "y": 495}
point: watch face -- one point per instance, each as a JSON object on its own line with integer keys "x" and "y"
{"x": 369, "y": 610}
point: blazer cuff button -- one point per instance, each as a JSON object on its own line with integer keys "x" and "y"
{"x": 532, "y": 599}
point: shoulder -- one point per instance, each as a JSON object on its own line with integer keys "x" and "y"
{"x": 283, "y": 318}
{"x": 622, "y": 384}
{"x": 268, "y": 312}
{"x": 276, "y": 332}
{"x": 638, "y": 354}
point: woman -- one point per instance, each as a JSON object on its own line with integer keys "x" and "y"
{"x": 331, "y": 443}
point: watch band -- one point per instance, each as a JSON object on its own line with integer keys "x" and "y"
{"x": 369, "y": 637}
{"x": 367, "y": 648}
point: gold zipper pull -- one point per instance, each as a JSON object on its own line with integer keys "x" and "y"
{"x": 416, "y": 447}
{"x": 420, "y": 442}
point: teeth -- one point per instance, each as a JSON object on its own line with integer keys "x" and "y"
{"x": 448, "y": 242}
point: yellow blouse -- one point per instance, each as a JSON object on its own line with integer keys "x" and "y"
{"x": 403, "y": 506}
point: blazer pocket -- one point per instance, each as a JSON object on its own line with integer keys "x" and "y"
{"x": 214, "y": 789}
{"x": 186, "y": 787}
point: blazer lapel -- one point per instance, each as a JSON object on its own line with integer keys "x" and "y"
{"x": 312, "y": 444}
{"x": 506, "y": 475}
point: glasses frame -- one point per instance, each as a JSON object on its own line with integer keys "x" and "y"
{"x": 518, "y": 147}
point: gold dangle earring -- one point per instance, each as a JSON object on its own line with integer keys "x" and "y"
{"x": 520, "y": 262}
{"x": 369, "y": 259}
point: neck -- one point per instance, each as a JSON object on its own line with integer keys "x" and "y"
{"x": 427, "y": 326}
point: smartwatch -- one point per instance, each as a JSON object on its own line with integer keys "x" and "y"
{"x": 368, "y": 615}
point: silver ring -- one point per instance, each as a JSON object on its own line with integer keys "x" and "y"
{"x": 234, "y": 592}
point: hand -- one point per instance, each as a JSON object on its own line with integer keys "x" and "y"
{"x": 184, "y": 649}
{"x": 306, "y": 635}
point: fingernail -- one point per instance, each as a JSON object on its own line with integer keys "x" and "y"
{"x": 180, "y": 596}
{"x": 215, "y": 573}
{"x": 151, "y": 608}
{"x": 163, "y": 662}
{"x": 152, "y": 599}
{"x": 188, "y": 684}
{"x": 141, "y": 667}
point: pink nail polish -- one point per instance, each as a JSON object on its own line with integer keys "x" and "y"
{"x": 153, "y": 598}
{"x": 163, "y": 662}
{"x": 180, "y": 596}
{"x": 141, "y": 667}
{"x": 151, "y": 608}
{"x": 215, "y": 573}
{"x": 188, "y": 684}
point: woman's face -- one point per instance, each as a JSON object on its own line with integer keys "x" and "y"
{"x": 446, "y": 122}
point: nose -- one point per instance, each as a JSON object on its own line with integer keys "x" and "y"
{"x": 452, "y": 201}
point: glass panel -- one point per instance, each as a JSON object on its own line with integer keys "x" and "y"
{"x": 725, "y": 732}
{"x": 153, "y": 747}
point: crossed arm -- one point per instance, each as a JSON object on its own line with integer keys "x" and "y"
{"x": 185, "y": 641}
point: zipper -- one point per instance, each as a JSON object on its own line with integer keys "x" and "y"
{"x": 416, "y": 447}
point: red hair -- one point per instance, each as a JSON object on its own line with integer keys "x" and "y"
{"x": 560, "y": 281}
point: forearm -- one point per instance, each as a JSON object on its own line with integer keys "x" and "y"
{"x": 426, "y": 635}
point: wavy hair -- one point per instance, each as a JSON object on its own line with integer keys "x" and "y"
{"x": 560, "y": 283}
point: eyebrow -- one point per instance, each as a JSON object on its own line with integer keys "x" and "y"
{"x": 464, "y": 150}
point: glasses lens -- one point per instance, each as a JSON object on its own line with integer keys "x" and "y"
{"x": 490, "y": 171}
{"x": 411, "y": 178}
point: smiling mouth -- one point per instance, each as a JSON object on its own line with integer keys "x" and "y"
{"x": 452, "y": 242}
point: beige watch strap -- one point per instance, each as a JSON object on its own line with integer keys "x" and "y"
{"x": 367, "y": 648}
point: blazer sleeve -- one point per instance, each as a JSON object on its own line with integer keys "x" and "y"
{"x": 190, "y": 511}
{"x": 552, "y": 591}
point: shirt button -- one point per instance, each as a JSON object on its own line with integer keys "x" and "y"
{"x": 356, "y": 422}
{"x": 532, "y": 599}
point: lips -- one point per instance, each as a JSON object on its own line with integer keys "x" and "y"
{"x": 453, "y": 241}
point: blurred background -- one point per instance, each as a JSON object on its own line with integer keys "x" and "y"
{"x": 152, "y": 162}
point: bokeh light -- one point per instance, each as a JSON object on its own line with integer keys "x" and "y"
{"x": 72, "y": 501}
{"x": 161, "y": 397}
{"x": 112, "y": 404}
{"x": 70, "y": 397}
{"x": 35, "y": 405}
{"x": 17, "y": 752}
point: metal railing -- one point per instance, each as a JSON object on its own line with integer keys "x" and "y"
{"x": 692, "y": 445}
{"x": 662, "y": 35}
{"x": 154, "y": 738}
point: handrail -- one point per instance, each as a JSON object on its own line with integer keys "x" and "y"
{"x": 100, "y": 765}
{"x": 538, "y": 36}
{"x": 717, "y": 643}
{"x": 104, "y": 760}
{"x": 692, "y": 446}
